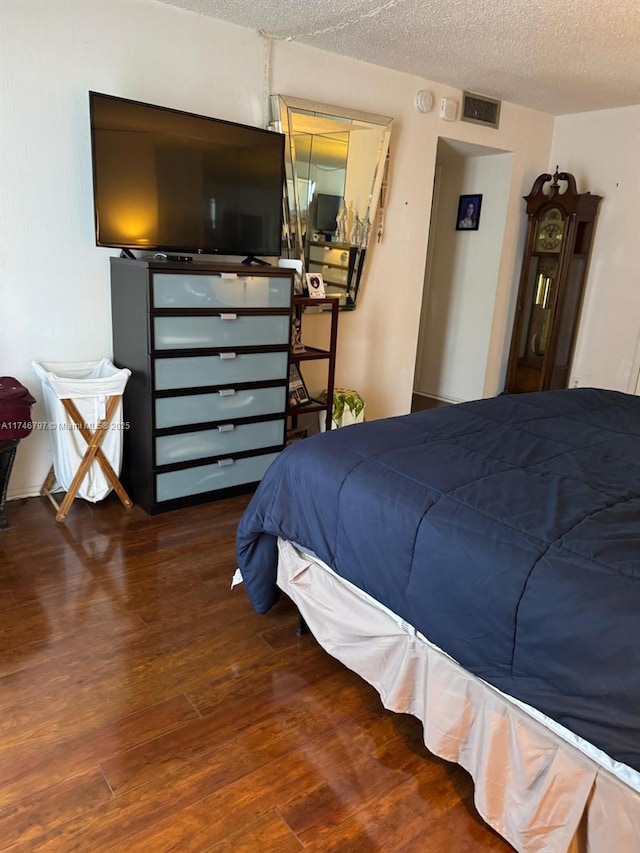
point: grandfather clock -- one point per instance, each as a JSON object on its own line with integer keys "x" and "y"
{"x": 554, "y": 268}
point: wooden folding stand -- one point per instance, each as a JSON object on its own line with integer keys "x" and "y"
{"x": 92, "y": 454}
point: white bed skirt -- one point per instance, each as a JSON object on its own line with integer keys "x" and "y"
{"x": 538, "y": 785}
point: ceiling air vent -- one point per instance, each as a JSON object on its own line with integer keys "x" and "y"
{"x": 480, "y": 110}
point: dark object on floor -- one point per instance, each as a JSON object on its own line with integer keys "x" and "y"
{"x": 15, "y": 423}
{"x": 7, "y": 455}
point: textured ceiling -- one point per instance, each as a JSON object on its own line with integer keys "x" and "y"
{"x": 559, "y": 56}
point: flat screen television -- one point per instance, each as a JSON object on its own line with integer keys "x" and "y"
{"x": 327, "y": 208}
{"x": 167, "y": 180}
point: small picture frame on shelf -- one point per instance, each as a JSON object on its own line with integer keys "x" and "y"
{"x": 315, "y": 285}
{"x": 297, "y": 393}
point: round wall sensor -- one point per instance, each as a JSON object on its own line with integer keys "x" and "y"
{"x": 423, "y": 101}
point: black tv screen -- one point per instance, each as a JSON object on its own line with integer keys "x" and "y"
{"x": 173, "y": 181}
{"x": 327, "y": 208}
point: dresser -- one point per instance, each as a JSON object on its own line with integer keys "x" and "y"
{"x": 208, "y": 349}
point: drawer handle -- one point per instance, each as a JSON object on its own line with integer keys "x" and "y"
{"x": 226, "y": 427}
{"x": 223, "y": 462}
{"x": 227, "y": 354}
{"x": 228, "y": 316}
{"x": 227, "y": 392}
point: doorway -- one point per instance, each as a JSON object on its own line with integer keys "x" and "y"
{"x": 461, "y": 273}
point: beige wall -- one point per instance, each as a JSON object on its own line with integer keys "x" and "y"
{"x": 54, "y": 282}
{"x": 602, "y": 151}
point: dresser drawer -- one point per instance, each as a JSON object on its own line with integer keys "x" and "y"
{"x": 227, "y": 405}
{"x": 212, "y": 477}
{"x": 223, "y": 331}
{"x": 195, "y": 371}
{"x": 224, "y": 290}
{"x": 223, "y": 440}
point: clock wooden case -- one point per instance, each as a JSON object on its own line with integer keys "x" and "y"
{"x": 559, "y": 239}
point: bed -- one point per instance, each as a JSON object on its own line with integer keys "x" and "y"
{"x": 479, "y": 564}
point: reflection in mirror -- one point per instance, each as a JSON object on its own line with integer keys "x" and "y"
{"x": 335, "y": 160}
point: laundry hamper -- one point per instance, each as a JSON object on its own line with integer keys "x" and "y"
{"x": 83, "y": 401}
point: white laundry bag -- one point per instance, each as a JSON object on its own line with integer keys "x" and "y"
{"x": 87, "y": 384}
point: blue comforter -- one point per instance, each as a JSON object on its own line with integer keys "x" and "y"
{"x": 506, "y": 530}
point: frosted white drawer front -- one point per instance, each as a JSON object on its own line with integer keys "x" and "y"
{"x": 226, "y": 439}
{"x": 209, "y": 478}
{"x": 198, "y": 370}
{"x": 323, "y": 254}
{"x": 214, "y": 291}
{"x": 219, "y": 406}
{"x": 193, "y": 332}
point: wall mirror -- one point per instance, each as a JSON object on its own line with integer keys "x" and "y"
{"x": 335, "y": 162}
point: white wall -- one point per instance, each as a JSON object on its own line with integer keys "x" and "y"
{"x": 601, "y": 150}
{"x": 54, "y": 282}
{"x": 459, "y": 305}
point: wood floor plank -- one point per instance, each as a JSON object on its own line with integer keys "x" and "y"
{"x": 315, "y": 813}
{"x": 33, "y": 818}
{"x": 145, "y": 706}
{"x": 461, "y": 830}
{"x": 416, "y": 822}
{"x": 160, "y": 666}
{"x": 8, "y": 600}
{"x": 215, "y": 817}
{"x": 269, "y": 835}
{"x": 191, "y": 808}
{"x": 44, "y": 768}
{"x": 268, "y": 671}
{"x": 266, "y": 725}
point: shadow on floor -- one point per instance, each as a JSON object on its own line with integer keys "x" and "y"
{"x": 419, "y": 402}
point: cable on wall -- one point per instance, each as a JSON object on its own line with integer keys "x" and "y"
{"x": 372, "y": 13}
{"x": 266, "y": 79}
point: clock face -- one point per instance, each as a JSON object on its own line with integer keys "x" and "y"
{"x": 550, "y": 232}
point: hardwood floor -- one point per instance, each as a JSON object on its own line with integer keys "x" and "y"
{"x": 144, "y": 706}
{"x": 419, "y": 402}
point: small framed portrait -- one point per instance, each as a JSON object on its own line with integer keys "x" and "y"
{"x": 468, "y": 217}
{"x": 315, "y": 285}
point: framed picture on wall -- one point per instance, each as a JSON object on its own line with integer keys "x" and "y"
{"x": 468, "y": 217}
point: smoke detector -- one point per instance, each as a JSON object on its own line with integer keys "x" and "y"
{"x": 423, "y": 101}
{"x": 448, "y": 109}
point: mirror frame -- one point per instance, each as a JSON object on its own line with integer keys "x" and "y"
{"x": 283, "y": 110}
